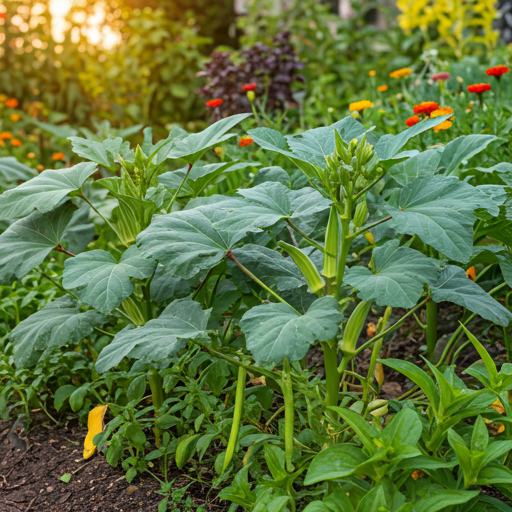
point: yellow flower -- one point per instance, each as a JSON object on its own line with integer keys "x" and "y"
{"x": 443, "y": 126}
{"x": 219, "y": 151}
{"x": 496, "y": 405}
{"x": 40, "y": 167}
{"x": 382, "y": 88}
{"x": 401, "y": 73}
{"x": 443, "y": 111}
{"x": 372, "y": 72}
{"x": 95, "y": 426}
{"x": 15, "y": 117}
{"x": 369, "y": 237}
{"x": 31, "y": 156}
{"x": 360, "y": 105}
{"x": 355, "y": 115}
{"x": 3, "y": 98}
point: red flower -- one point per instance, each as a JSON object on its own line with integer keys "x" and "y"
{"x": 497, "y": 71}
{"x": 426, "y": 107}
{"x": 411, "y": 121}
{"x": 441, "y": 76}
{"x": 245, "y": 141}
{"x": 479, "y": 88}
{"x": 217, "y": 102}
{"x": 249, "y": 87}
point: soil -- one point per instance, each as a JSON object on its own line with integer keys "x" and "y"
{"x": 31, "y": 466}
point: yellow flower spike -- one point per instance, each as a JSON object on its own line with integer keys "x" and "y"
{"x": 95, "y": 426}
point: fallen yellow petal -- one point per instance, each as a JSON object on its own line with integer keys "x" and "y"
{"x": 95, "y": 426}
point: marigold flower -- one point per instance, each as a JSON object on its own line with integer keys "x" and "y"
{"x": 411, "y": 121}
{"x": 31, "y": 156}
{"x": 2, "y": 143}
{"x": 443, "y": 111}
{"x": 40, "y": 167}
{"x": 470, "y": 272}
{"x": 357, "y": 106}
{"x": 372, "y": 72}
{"x": 15, "y": 117}
{"x": 3, "y": 98}
{"x": 245, "y": 141}
{"x": 249, "y": 87}
{"x": 496, "y": 71}
{"x": 16, "y": 143}
{"x": 11, "y": 103}
{"x": 441, "y": 76}
{"x": 443, "y": 126}
{"x": 401, "y": 73}
{"x": 426, "y": 107}
{"x": 5, "y": 136}
{"x": 479, "y": 88}
{"x": 95, "y": 426}
{"x": 417, "y": 474}
{"x": 382, "y": 88}
{"x": 217, "y": 102}
{"x": 58, "y": 156}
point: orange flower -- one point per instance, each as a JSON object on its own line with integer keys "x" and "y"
{"x": 382, "y": 88}
{"x": 479, "y": 88}
{"x": 5, "y": 136}
{"x": 470, "y": 272}
{"x": 497, "y": 71}
{"x": 217, "y": 102}
{"x": 411, "y": 121}
{"x": 245, "y": 141}
{"x": 249, "y": 87}
{"x": 372, "y": 72}
{"x": 31, "y": 156}
{"x": 401, "y": 73}
{"x": 417, "y": 474}
{"x": 40, "y": 167}
{"x": 426, "y": 107}
{"x": 2, "y": 144}
{"x": 15, "y": 117}
{"x": 371, "y": 330}
{"x": 443, "y": 111}
{"x": 16, "y": 143}
{"x": 58, "y": 156}
{"x": 357, "y": 106}
{"x": 443, "y": 126}
{"x": 11, "y": 103}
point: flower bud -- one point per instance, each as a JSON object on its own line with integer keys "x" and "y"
{"x": 251, "y": 96}
{"x": 219, "y": 151}
{"x": 361, "y": 214}
{"x": 378, "y": 408}
{"x": 369, "y": 237}
{"x": 353, "y": 146}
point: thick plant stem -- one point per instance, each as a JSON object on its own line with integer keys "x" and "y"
{"x": 237, "y": 415}
{"x": 431, "y": 331}
{"x": 157, "y": 394}
{"x": 286, "y": 387}
{"x": 332, "y": 376}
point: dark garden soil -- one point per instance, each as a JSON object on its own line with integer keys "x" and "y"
{"x": 31, "y": 466}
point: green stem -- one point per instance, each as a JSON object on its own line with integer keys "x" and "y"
{"x": 98, "y": 212}
{"x": 370, "y": 226}
{"x": 157, "y": 394}
{"x": 332, "y": 376}
{"x": 306, "y": 237}
{"x": 286, "y": 387}
{"x": 237, "y": 415}
{"x": 508, "y": 344}
{"x": 256, "y": 280}
{"x": 169, "y": 208}
{"x": 368, "y": 187}
{"x": 146, "y": 292}
{"x": 431, "y": 330}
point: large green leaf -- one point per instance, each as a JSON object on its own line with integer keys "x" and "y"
{"x": 439, "y": 499}
{"x": 398, "y": 276}
{"x": 44, "y": 192}
{"x": 104, "y": 153}
{"x": 337, "y": 461}
{"x": 439, "y": 209}
{"x": 12, "y": 171}
{"x": 389, "y": 145}
{"x": 422, "y": 164}
{"x": 463, "y": 148}
{"x": 454, "y": 286}
{"x": 193, "y": 146}
{"x": 160, "y": 338}
{"x": 187, "y": 242}
{"x": 275, "y": 331}
{"x": 27, "y": 242}
{"x": 80, "y": 231}
{"x": 494, "y": 254}
{"x": 103, "y": 283}
{"x": 60, "y": 323}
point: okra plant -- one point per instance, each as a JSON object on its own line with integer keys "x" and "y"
{"x": 338, "y": 224}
